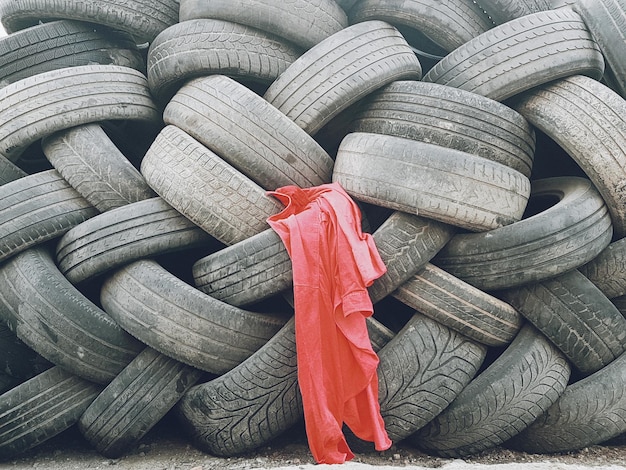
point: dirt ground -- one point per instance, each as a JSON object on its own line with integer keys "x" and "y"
{"x": 164, "y": 448}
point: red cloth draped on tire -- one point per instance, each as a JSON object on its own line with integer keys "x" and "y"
{"x": 333, "y": 264}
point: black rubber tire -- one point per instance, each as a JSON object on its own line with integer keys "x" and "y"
{"x": 59, "y": 44}
{"x": 38, "y": 208}
{"x": 576, "y": 316}
{"x": 91, "y": 163}
{"x": 501, "y": 11}
{"x": 9, "y": 171}
{"x": 421, "y": 371}
{"x": 587, "y": 119}
{"x": 521, "y": 54}
{"x": 182, "y": 322}
{"x": 135, "y": 401}
{"x": 41, "y": 408}
{"x": 522, "y": 383}
{"x": 573, "y": 230}
{"x": 53, "y": 318}
{"x": 16, "y": 358}
{"x": 8, "y": 382}
{"x": 301, "y": 22}
{"x": 459, "y": 306}
{"x": 448, "y": 23}
{"x": 451, "y": 118}
{"x": 589, "y": 412}
{"x": 128, "y": 233}
{"x": 249, "y": 133}
{"x": 444, "y": 184}
{"x": 144, "y": 19}
{"x": 341, "y": 70}
{"x": 259, "y": 267}
{"x": 202, "y": 47}
{"x": 38, "y": 106}
{"x": 206, "y": 189}
{"x": 608, "y": 270}
{"x": 605, "y": 20}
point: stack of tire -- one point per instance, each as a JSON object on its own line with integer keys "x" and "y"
{"x": 485, "y": 142}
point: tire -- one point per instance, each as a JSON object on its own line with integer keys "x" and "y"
{"x": 259, "y": 267}
{"x": 413, "y": 392}
{"x": 206, "y": 189}
{"x": 182, "y": 322}
{"x": 341, "y": 70}
{"x": 459, "y": 306}
{"x": 54, "y": 319}
{"x": 301, "y": 22}
{"x": 450, "y": 118}
{"x": 91, "y": 163}
{"x": 608, "y": 270}
{"x": 135, "y": 401}
{"x": 589, "y": 412}
{"x": 144, "y": 19}
{"x": 60, "y": 44}
{"x": 249, "y": 133}
{"x": 501, "y": 11}
{"x": 120, "y": 236}
{"x": 502, "y": 401}
{"x": 573, "y": 229}
{"x": 444, "y": 184}
{"x": 521, "y": 54}
{"x": 448, "y": 23}
{"x": 195, "y": 48}
{"x": 38, "y": 208}
{"x": 38, "y": 106}
{"x": 586, "y": 119}
{"x": 41, "y": 408}
{"x": 576, "y": 316}
{"x": 9, "y": 172}
{"x": 605, "y": 20}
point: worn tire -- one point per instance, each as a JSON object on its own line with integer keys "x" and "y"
{"x": 57, "y": 321}
{"x": 459, "y": 306}
{"x": 249, "y": 133}
{"x": 128, "y": 233}
{"x": 448, "y": 23}
{"x": 135, "y": 401}
{"x": 182, "y": 322}
{"x": 259, "y": 267}
{"x": 301, "y": 22}
{"x": 41, "y": 105}
{"x": 9, "y": 171}
{"x": 523, "y": 382}
{"x": 521, "y": 54}
{"x": 444, "y": 184}
{"x": 41, "y": 408}
{"x": 202, "y": 47}
{"x": 204, "y": 188}
{"x": 38, "y": 208}
{"x": 144, "y": 19}
{"x": 450, "y": 118}
{"x": 608, "y": 270}
{"x": 91, "y": 163}
{"x": 587, "y": 120}
{"x": 576, "y": 316}
{"x": 501, "y": 11}
{"x": 589, "y": 412}
{"x": 60, "y": 44}
{"x": 341, "y": 70}
{"x": 573, "y": 230}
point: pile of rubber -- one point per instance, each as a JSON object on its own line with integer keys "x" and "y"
{"x": 485, "y": 142}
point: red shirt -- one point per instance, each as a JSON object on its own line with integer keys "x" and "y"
{"x": 333, "y": 264}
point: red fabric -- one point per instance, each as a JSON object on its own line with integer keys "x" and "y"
{"x": 333, "y": 263}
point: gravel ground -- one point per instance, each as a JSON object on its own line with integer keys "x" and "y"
{"x": 164, "y": 448}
